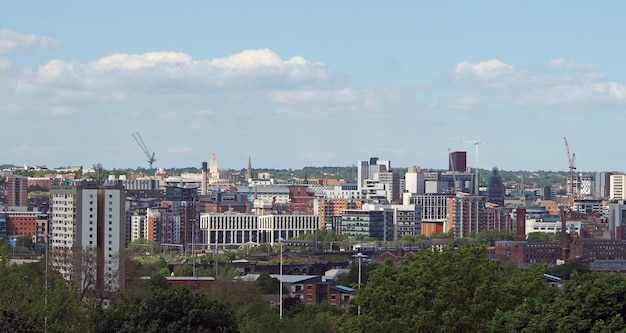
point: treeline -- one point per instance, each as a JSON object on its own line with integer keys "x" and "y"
{"x": 453, "y": 290}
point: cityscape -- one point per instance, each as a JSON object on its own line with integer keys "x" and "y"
{"x": 340, "y": 167}
{"x": 308, "y": 233}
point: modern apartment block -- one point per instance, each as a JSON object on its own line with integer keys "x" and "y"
{"x": 17, "y": 190}
{"x": 88, "y": 233}
{"x": 386, "y": 223}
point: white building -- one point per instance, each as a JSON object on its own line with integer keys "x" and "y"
{"x": 367, "y": 169}
{"x": 237, "y": 229}
{"x": 88, "y": 234}
{"x": 617, "y": 187}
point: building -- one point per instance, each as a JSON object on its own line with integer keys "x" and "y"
{"x": 229, "y": 229}
{"x": 457, "y": 161}
{"x": 17, "y": 190}
{"x": 276, "y": 226}
{"x": 367, "y": 169}
{"x": 414, "y": 181}
{"x": 587, "y": 249}
{"x": 434, "y": 212}
{"x": 87, "y": 226}
{"x": 385, "y": 223}
{"x": 617, "y": 188}
{"x": 232, "y": 230}
{"x": 495, "y": 188}
{"x": 528, "y": 252}
{"x": 601, "y": 185}
{"x": 467, "y": 214}
{"x": 26, "y": 223}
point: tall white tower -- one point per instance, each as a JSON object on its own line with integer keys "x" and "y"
{"x": 213, "y": 172}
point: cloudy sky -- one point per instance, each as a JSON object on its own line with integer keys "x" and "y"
{"x": 293, "y": 84}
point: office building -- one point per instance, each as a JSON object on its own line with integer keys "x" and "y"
{"x": 367, "y": 169}
{"x": 457, "y": 161}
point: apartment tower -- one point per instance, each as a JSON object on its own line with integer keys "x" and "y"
{"x": 88, "y": 234}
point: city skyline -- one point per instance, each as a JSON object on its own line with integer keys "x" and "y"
{"x": 295, "y": 85}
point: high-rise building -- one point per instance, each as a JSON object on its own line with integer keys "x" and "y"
{"x": 414, "y": 181}
{"x": 17, "y": 190}
{"x": 367, "y": 169}
{"x": 495, "y": 188}
{"x": 88, "y": 234}
{"x": 601, "y": 185}
{"x": 457, "y": 161}
{"x": 617, "y": 187}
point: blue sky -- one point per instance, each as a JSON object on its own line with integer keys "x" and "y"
{"x": 293, "y": 84}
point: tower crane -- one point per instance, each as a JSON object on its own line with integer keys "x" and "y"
{"x": 572, "y": 166}
{"x": 476, "y": 144}
{"x": 149, "y": 154}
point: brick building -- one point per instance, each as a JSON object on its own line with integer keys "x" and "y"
{"x": 528, "y": 252}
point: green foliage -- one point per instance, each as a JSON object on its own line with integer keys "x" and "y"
{"x": 312, "y": 318}
{"x": 267, "y": 284}
{"x": 183, "y": 270}
{"x": 545, "y": 236}
{"x": 352, "y": 279}
{"x": 23, "y": 303}
{"x": 166, "y": 310}
{"x": 453, "y": 290}
{"x": 236, "y": 293}
{"x": 489, "y": 237}
{"x": 566, "y": 270}
{"x": 591, "y": 302}
{"x": 149, "y": 267}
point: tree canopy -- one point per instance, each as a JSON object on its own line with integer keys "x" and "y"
{"x": 166, "y": 310}
{"x": 453, "y": 290}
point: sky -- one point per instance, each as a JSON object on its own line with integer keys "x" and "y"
{"x": 292, "y": 84}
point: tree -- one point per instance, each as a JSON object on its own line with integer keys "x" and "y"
{"x": 267, "y": 284}
{"x": 26, "y": 302}
{"x": 591, "y": 302}
{"x": 566, "y": 270}
{"x": 453, "y": 290}
{"x": 166, "y": 310}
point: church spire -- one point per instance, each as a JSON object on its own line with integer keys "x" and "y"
{"x": 249, "y": 172}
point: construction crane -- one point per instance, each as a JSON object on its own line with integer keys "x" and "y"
{"x": 571, "y": 158}
{"x": 476, "y": 144}
{"x": 149, "y": 154}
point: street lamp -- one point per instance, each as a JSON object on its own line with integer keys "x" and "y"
{"x": 360, "y": 256}
{"x": 280, "y": 240}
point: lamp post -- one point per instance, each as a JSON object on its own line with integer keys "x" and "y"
{"x": 360, "y": 257}
{"x": 280, "y": 240}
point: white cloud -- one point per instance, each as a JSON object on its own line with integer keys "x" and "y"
{"x": 485, "y": 70}
{"x": 558, "y": 82}
{"x": 12, "y": 42}
{"x": 563, "y": 63}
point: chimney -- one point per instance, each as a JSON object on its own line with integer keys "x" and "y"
{"x": 203, "y": 189}
{"x": 564, "y": 235}
{"x": 520, "y": 224}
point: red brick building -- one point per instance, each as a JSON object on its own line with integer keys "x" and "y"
{"x": 528, "y": 252}
{"x": 589, "y": 249}
{"x": 327, "y": 292}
